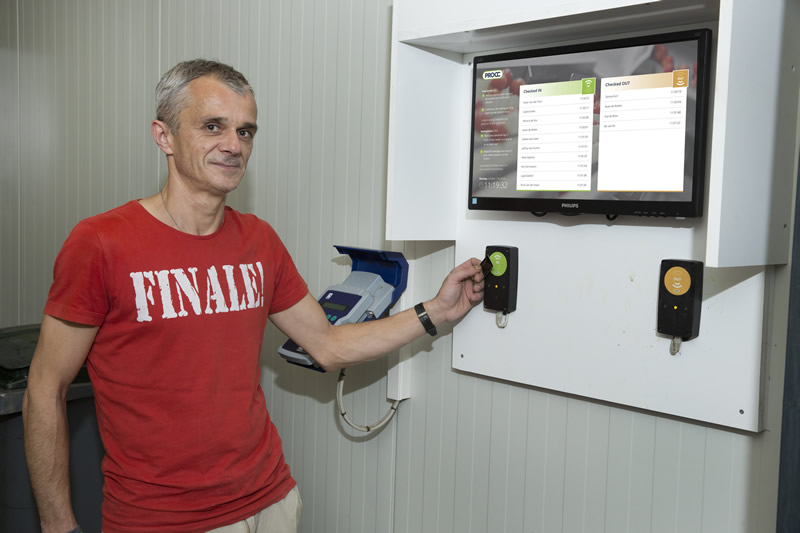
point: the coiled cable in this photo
(371, 427)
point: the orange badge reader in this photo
(680, 297)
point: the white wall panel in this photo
(733, 239)
(585, 323)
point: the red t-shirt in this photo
(175, 364)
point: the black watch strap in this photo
(422, 314)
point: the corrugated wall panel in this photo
(429, 262)
(597, 449)
(555, 461)
(10, 287)
(59, 94)
(718, 488)
(323, 74)
(665, 488)
(464, 453)
(29, 232)
(575, 468)
(689, 509)
(44, 124)
(76, 149)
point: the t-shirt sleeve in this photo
(288, 286)
(78, 292)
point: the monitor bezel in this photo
(681, 209)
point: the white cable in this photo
(372, 427)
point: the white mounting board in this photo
(585, 322)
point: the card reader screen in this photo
(335, 307)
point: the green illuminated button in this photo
(499, 263)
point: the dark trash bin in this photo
(17, 506)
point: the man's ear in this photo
(162, 136)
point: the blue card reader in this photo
(376, 282)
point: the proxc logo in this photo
(571, 206)
(492, 74)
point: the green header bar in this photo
(561, 88)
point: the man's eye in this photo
(245, 133)
(212, 127)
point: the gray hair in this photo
(171, 89)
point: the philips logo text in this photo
(571, 206)
(492, 74)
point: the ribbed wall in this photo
(9, 167)
(465, 454)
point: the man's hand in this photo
(461, 290)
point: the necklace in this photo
(164, 203)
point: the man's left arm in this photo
(334, 347)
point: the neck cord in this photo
(164, 203)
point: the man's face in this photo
(215, 137)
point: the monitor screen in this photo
(614, 127)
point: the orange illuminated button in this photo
(680, 78)
(677, 280)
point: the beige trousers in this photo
(281, 517)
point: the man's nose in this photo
(231, 143)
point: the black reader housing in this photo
(500, 285)
(680, 297)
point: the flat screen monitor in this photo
(615, 127)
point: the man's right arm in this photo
(62, 349)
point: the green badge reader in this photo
(377, 280)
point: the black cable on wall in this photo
(788, 519)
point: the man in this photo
(166, 300)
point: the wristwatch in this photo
(425, 319)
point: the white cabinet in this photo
(586, 315)
(752, 144)
(754, 140)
